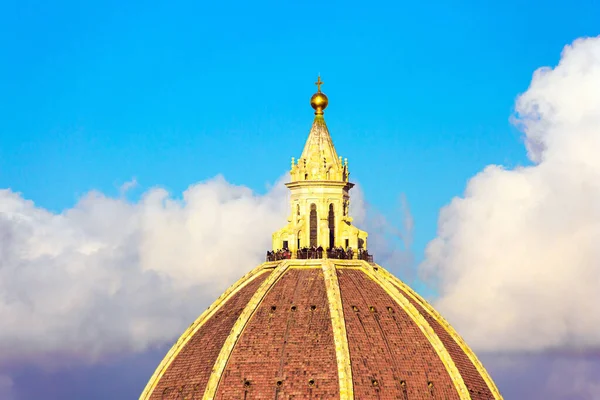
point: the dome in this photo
(320, 329)
(319, 319)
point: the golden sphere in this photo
(319, 102)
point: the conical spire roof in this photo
(319, 145)
(319, 160)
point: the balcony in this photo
(317, 253)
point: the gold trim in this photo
(197, 324)
(336, 311)
(415, 315)
(451, 331)
(238, 328)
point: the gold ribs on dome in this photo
(354, 296)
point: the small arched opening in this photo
(313, 225)
(331, 222)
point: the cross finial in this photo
(319, 82)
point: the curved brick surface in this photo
(281, 350)
(478, 389)
(188, 374)
(390, 357)
(287, 351)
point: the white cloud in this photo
(108, 275)
(517, 259)
(125, 187)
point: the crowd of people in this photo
(281, 254)
(314, 252)
(310, 252)
(340, 254)
(363, 254)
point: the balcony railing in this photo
(312, 253)
(279, 255)
(340, 254)
(365, 256)
(306, 253)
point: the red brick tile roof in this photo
(283, 343)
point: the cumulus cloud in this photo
(108, 275)
(111, 276)
(517, 258)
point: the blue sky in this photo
(93, 94)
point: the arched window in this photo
(331, 221)
(313, 225)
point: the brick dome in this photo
(319, 319)
(320, 329)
